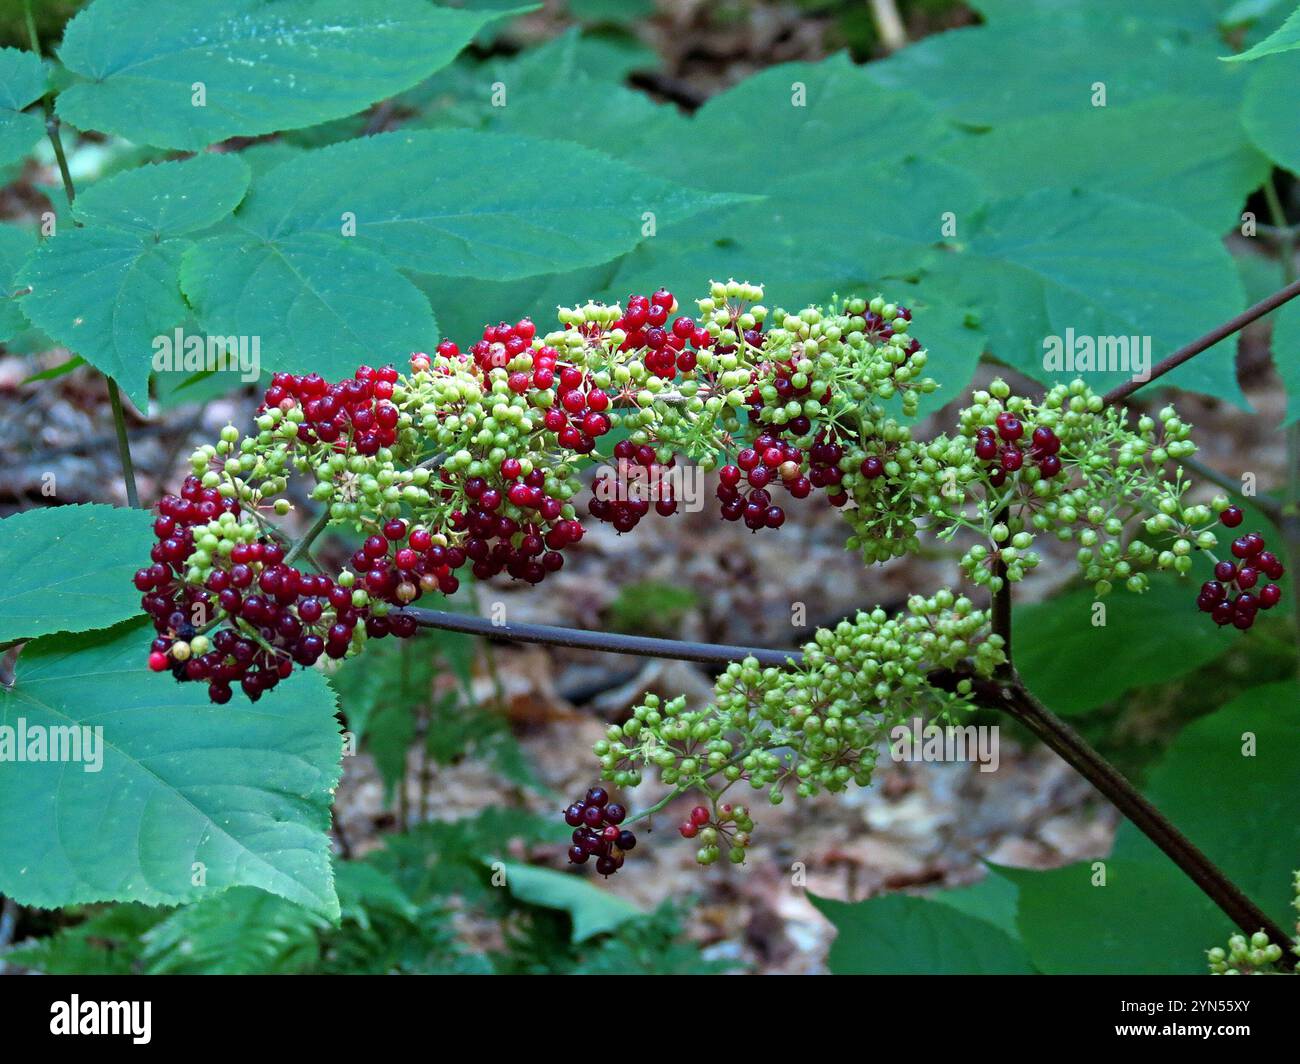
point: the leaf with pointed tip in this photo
(69, 568)
(900, 935)
(107, 294)
(1196, 160)
(184, 791)
(1067, 261)
(310, 300)
(166, 199)
(1286, 38)
(467, 204)
(593, 911)
(262, 67)
(22, 82)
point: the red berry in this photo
(688, 830)
(157, 661)
(1232, 516)
(699, 816)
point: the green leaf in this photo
(1286, 356)
(107, 294)
(55, 372)
(833, 112)
(263, 66)
(1147, 639)
(166, 199)
(1236, 804)
(1196, 160)
(593, 911)
(69, 568)
(22, 81)
(1147, 919)
(1285, 38)
(1068, 261)
(312, 301)
(186, 790)
(901, 935)
(468, 204)
(993, 899)
(986, 75)
(1273, 126)
(15, 246)
(1067, 15)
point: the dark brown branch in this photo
(1173, 361)
(1007, 695)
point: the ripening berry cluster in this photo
(726, 826)
(808, 728)
(597, 833)
(1242, 576)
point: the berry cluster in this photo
(646, 323)
(474, 460)
(596, 832)
(742, 487)
(355, 416)
(1253, 563)
(1008, 456)
(729, 825)
(622, 496)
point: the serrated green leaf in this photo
(1286, 38)
(107, 294)
(901, 935)
(1068, 261)
(1272, 125)
(986, 75)
(469, 204)
(1195, 159)
(22, 82)
(263, 66)
(593, 911)
(166, 199)
(1286, 356)
(190, 798)
(1231, 782)
(313, 301)
(1147, 639)
(68, 568)
(812, 115)
(15, 246)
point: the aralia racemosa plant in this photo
(472, 459)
